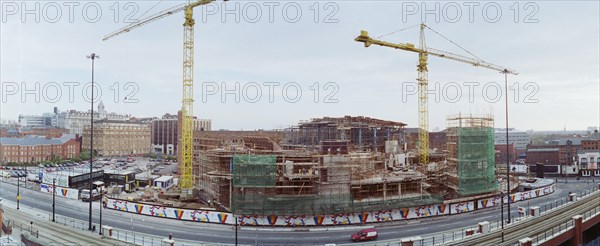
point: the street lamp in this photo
(18, 191)
(53, 198)
(507, 156)
(236, 230)
(93, 56)
(101, 207)
(502, 213)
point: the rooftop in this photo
(163, 179)
(543, 150)
(36, 140)
(352, 121)
(116, 171)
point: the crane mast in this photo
(422, 79)
(187, 107)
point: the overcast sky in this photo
(307, 66)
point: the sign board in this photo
(60, 191)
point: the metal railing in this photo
(563, 227)
(128, 236)
(23, 183)
(461, 233)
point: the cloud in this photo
(559, 53)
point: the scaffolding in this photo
(326, 166)
(254, 170)
(281, 184)
(296, 183)
(471, 154)
(362, 133)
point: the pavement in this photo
(215, 233)
(37, 226)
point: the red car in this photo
(365, 235)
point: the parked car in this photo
(365, 235)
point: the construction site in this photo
(331, 165)
(339, 165)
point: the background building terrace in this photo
(75, 121)
(39, 148)
(520, 139)
(44, 120)
(165, 132)
(118, 138)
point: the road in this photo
(530, 228)
(249, 235)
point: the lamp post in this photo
(18, 191)
(53, 198)
(93, 56)
(507, 156)
(236, 230)
(502, 213)
(101, 207)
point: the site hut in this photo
(123, 178)
(76, 179)
(164, 182)
(144, 179)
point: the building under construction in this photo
(339, 165)
(471, 162)
(362, 133)
(317, 168)
(288, 182)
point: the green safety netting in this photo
(254, 180)
(476, 161)
(254, 170)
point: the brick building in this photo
(118, 138)
(566, 151)
(16, 132)
(590, 144)
(500, 154)
(165, 133)
(437, 140)
(52, 132)
(39, 148)
(544, 156)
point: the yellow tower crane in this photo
(423, 148)
(187, 108)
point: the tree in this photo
(151, 155)
(56, 159)
(84, 155)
